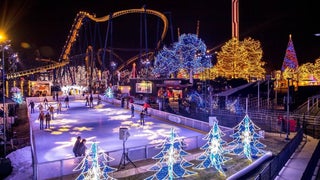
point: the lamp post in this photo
(288, 98)
(3, 46)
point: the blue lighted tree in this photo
(189, 53)
(171, 162)
(166, 63)
(192, 54)
(94, 165)
(245, 139)
(16, 95)
(214, 151)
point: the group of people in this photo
(79, 147)
(46, 112)
(89, 100)
(44, 117)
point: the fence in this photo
(274, 167)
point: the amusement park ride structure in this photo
(62, 69)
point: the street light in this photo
(4, 45)
(288, 98)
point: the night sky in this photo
(46, 24)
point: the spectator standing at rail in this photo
(76, 145)
(82, 148)
(31, 104)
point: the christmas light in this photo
(94, 165)
(171, 162)
(214, 151)
(246, 139)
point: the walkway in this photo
(295, 167)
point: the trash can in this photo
(292, 125)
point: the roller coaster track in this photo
(64, 57)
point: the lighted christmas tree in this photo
(245, 139)
(16, 95)
(94, 165)
(109, 93)
(214, 150)
(290, 58)
(171, 162)
(188, 54)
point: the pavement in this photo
(295, 167)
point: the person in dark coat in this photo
(87, 100)
(91, 101)
(31, 104)
(132, 110)
(48, 119)
(41, 119)
(66, 101)
(82, 148)
(142, 114)
(76, 146)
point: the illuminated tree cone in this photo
(171, 163)
(290, 58)
(94, 165)
(214, 151)
(245, 139)
(109, 93)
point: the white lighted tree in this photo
(245, 139)
(171, 162)
(94, 165)
(214, 150)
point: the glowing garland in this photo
(214, 151)
(94, 165)
(246, 139)
(171, 163)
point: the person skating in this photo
(41, 119)
(132, 110)
(66, 101)
(45, 102)
(48, 119)
(31, 104)
(142, 114)
(51, 110)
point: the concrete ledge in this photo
(255, 164)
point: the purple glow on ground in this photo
(100, 124)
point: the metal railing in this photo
(275, 166)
